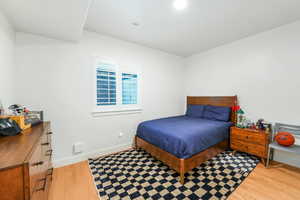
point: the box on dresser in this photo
(250, 141)
(25, 164)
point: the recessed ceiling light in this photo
(180, 4)
(135, 24)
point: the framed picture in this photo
(34, 117)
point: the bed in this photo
(184, 142)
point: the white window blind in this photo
(106, 84)
(129, 88)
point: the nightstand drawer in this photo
(257, 138)
(249, 136)
(239, 135)
(257, 150)
(239, 145)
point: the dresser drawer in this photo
(46, 157)
(49, 137)
(35, 169)
(41, 192)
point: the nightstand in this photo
(250, 141)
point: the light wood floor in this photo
(74, 182)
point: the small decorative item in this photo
(267, 126)
(260, 124)
(253, 125)
(35, 117)
(21, 121)
(248, 123)
(17, 109)
(240, 118)
(285, 139)
(235, 108)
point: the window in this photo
(129, 88)
(117, 89)
(106, 85)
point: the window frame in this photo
(119, 108)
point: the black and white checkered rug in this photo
(134, 174)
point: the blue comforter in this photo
(183, 136)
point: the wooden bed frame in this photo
(184, 165)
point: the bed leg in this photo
(182, 178)
(135, 144)
(182, 171)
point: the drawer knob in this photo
(38, 163)
(46, 143)
(49, 133)
(50, 172)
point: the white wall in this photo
(7, 56)
(263, 70)
(57, 77)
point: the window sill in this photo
(100, 113)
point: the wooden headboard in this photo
(227, 101)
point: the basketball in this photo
(285, 139)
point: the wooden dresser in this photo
(251, 141)
(25, 164)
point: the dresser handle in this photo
(38, 163)
(49, 152)
(44, 144)
(49, 133)
(44, 185)
(42, 179)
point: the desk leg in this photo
(268, 157)
(263, 161)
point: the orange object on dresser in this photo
(285, 139)
(20, 119)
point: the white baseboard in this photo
(92, 154)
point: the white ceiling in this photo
(62, 19)
(203, 25)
